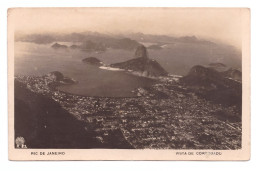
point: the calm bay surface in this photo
(176, 58)
(34, 59)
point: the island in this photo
(92, 61)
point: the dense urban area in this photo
(166, 115)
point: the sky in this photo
(222, 25)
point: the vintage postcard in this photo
(129, 83)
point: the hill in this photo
(213, 86)
(92, 61)
(43, 123)
(200, 76)
(233, 74)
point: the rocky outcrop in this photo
(141, 52)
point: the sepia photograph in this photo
(129, 83)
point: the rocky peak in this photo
(141, 52)
(142, 64)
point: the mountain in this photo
(141, 37)
(124, 43)
(141, 52)
(43, 123)
(208, 78)
(92, 46)
(200, 76)
(213, 86)
(142, 64)
(109, 39)
(92, 61)
(59, 46)
(90, 41)
(233, 74)
(36, 38)
(225, 71)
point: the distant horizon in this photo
(222, 24)
(21, 33)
